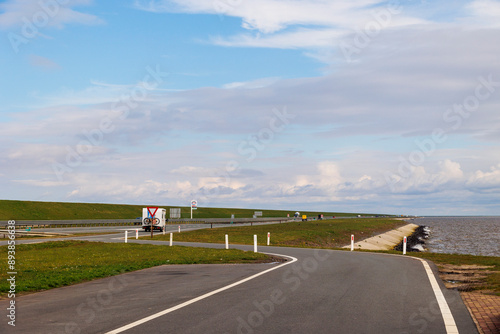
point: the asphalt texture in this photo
(324, 291)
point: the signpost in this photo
(152, 212)
(194, 206)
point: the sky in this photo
(340, 106)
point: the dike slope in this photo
(385, 241)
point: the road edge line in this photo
(194, 300)
(449, 320)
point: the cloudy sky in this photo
(352, 106)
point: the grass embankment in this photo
(329, 233)
(28, 210)
(55, 264)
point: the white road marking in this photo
(194, 300)
(449, 321)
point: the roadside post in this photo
(352, 242)
(136, 234)
(268, 238)
(126, 236)
(171, 238)
(255, 243)
(227, 241)
(179, 228)
(404, 246)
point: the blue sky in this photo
(368, 106)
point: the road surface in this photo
(316, 291)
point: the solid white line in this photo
(194, 300)
(449, 321)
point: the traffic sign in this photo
(152, 211)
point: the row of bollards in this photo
(226, 239)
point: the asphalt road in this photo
(316, 291)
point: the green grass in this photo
(51, 236)
(492, 281)
(28, 210)
(320, 233)
(60, 263)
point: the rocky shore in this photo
(416, 241)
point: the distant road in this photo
(137, 221)
(322, 291)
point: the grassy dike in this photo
(29, 210)
(55, 264)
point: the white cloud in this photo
(293, 24)
(485, 180)
(16, 13)
(485, 12)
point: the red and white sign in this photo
(152, 211)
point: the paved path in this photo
(322, 291)
(485, 310)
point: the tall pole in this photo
(152, 221)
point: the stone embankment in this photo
(416, 241)
(385, 241)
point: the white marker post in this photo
(126, 236)
(255, 243)
(268, 238)
(179, 228)
(404, 246)
(352, 242)
(227, 241)
(171, 238)
(164, 228)
(136, 234)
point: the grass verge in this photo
(330, 233)
(49, 236)
(491, 279)
(60, 263)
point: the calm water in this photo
(463, 235)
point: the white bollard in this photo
(126, 236)
(164, 228)
(136, 234)
(171, 238)
(404, 246)
(227, 241)
(255, 243)
(352, 242)
(179, 228)
(268, 238)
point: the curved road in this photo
(316, 291)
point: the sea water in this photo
(463, 235)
